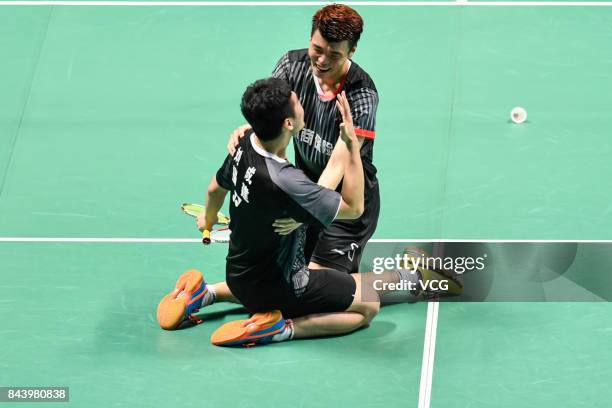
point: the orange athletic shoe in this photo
(185, 300)
(259, 329)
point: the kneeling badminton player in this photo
(266, 272)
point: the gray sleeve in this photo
(309, 202)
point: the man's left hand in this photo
(285, 226)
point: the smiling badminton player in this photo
(317, 75)
(265, 271)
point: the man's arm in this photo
(352, 203)
(334, 170)
(364, 103)
(352, 200)
(215, 196)
(330, 178)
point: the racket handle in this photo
(206, 237)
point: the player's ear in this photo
(288, 124)
(352, 51)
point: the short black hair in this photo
(265, 105)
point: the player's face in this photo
(328, 58)
(298, 113)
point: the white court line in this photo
(116, 240)
(457, 3)
(103, 240)
(429, 351)
(554, 241)
(429, 345)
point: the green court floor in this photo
(111, 117)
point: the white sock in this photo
(409, 276)
(286, 334)
(210, 296)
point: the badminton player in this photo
(265, 271)
(317, 75)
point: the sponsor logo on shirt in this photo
(312, 139)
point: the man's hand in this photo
(235, 137)
(347, 130)
(285, 226)
(206, 224)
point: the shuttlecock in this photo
(518, 115)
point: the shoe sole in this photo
(454, 286)
(240, 332)
(172, 308)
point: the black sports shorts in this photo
(340, 246)
(327, 291)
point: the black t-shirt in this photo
(264, 187)
(314, 143)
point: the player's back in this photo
(264, 187)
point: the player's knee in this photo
(360, 209)
(370, 310)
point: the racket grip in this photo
(206, 237)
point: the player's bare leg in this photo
(386, 296)
(364, 308)
(263, 328)
(223, 293)
(314, 265)
(371, 288)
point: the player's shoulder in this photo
(358, 79)
(287, 177)
(297, 55)
(281, 170)
(245, 149)
(275, 164)
(245, 142)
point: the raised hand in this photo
(347, 130)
